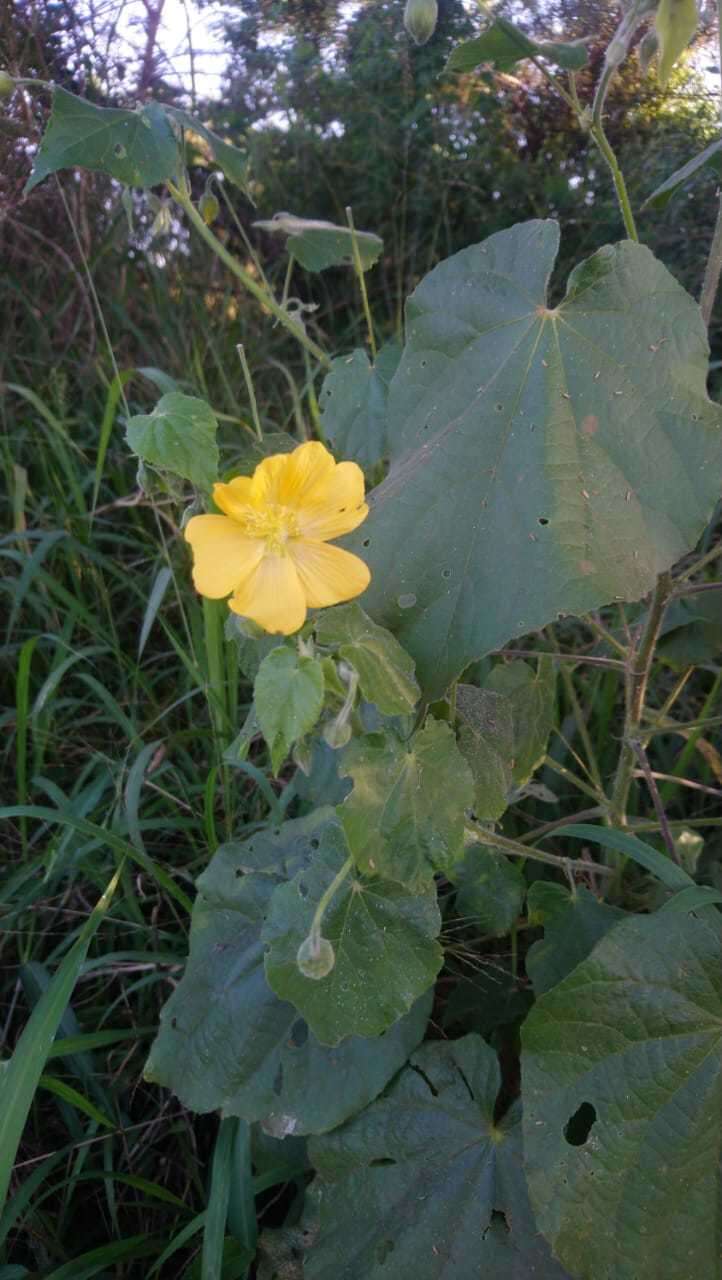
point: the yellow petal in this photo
(338, 507)
(266, 479)
(234, 497)
(307, 473)
(272, 596)
(328, 574)
(223, 555)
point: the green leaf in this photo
(384, 940)
(353, 403)
(404, 818)
(486, 741)
(230, 159)
(622, 1096)
(573, 924)
(489, 890)
(696, 636)
(502, 45)
(226, 1042)
(424, 1183)
(317, 244)
(138, 148)
(594, 415)
(663, 194)
(21, 1073)
(288, 694)
(385, 671)
(532, 702)
(178, 436)
(645, 855)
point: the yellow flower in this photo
(269, 550)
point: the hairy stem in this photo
(262, 295)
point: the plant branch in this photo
(648, 776)
(264, 296)
(494, 840)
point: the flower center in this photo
(274, 525)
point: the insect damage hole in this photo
(579, 1126)
(543, 520)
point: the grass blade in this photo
(643, 854)
(24, 1069)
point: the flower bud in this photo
(675, 24)
(315, 957)
(420, 18)
(208, 207)
(7, 85)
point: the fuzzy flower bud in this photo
(420, 18)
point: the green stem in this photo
(250, 389)
(640, 665)
(358, 267)
(493, 840)
(326, 896)
(264, 296)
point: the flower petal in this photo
(308, 471)
(234, 497)
(272, 596)
(328, 574)
(266, 479)
(223, 555)
(337, 507)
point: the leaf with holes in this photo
(318, 245)
(226, 1042)
(138, 148)
(531, 696)
(178, 436)
(353, 404)
(288, 694)
(230, 159)
(486, 741)
(622, 1070)
(384, 939)
(386, 673)
(502, 45)
(425, 1183)
(545, 461)
(404, 818)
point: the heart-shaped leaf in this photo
(178, 436)
(227, 1042)
(384, 940)
(288, 693)
(317, 244)
(353, 404)
(622, 1071)
(426, 1183)
(138, 148)
(404, 818)
(545, 460)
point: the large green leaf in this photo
(404, 818)
(544, 461)
(317, 244)
(138, 148)
(230, 159)
(502, 45)
(178, 436)
(425, 1183)
(288, 694)
(623, 1089)
(227, 1042)
(384, 940)
(353, 404)
(532, 704)
(385, 671)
